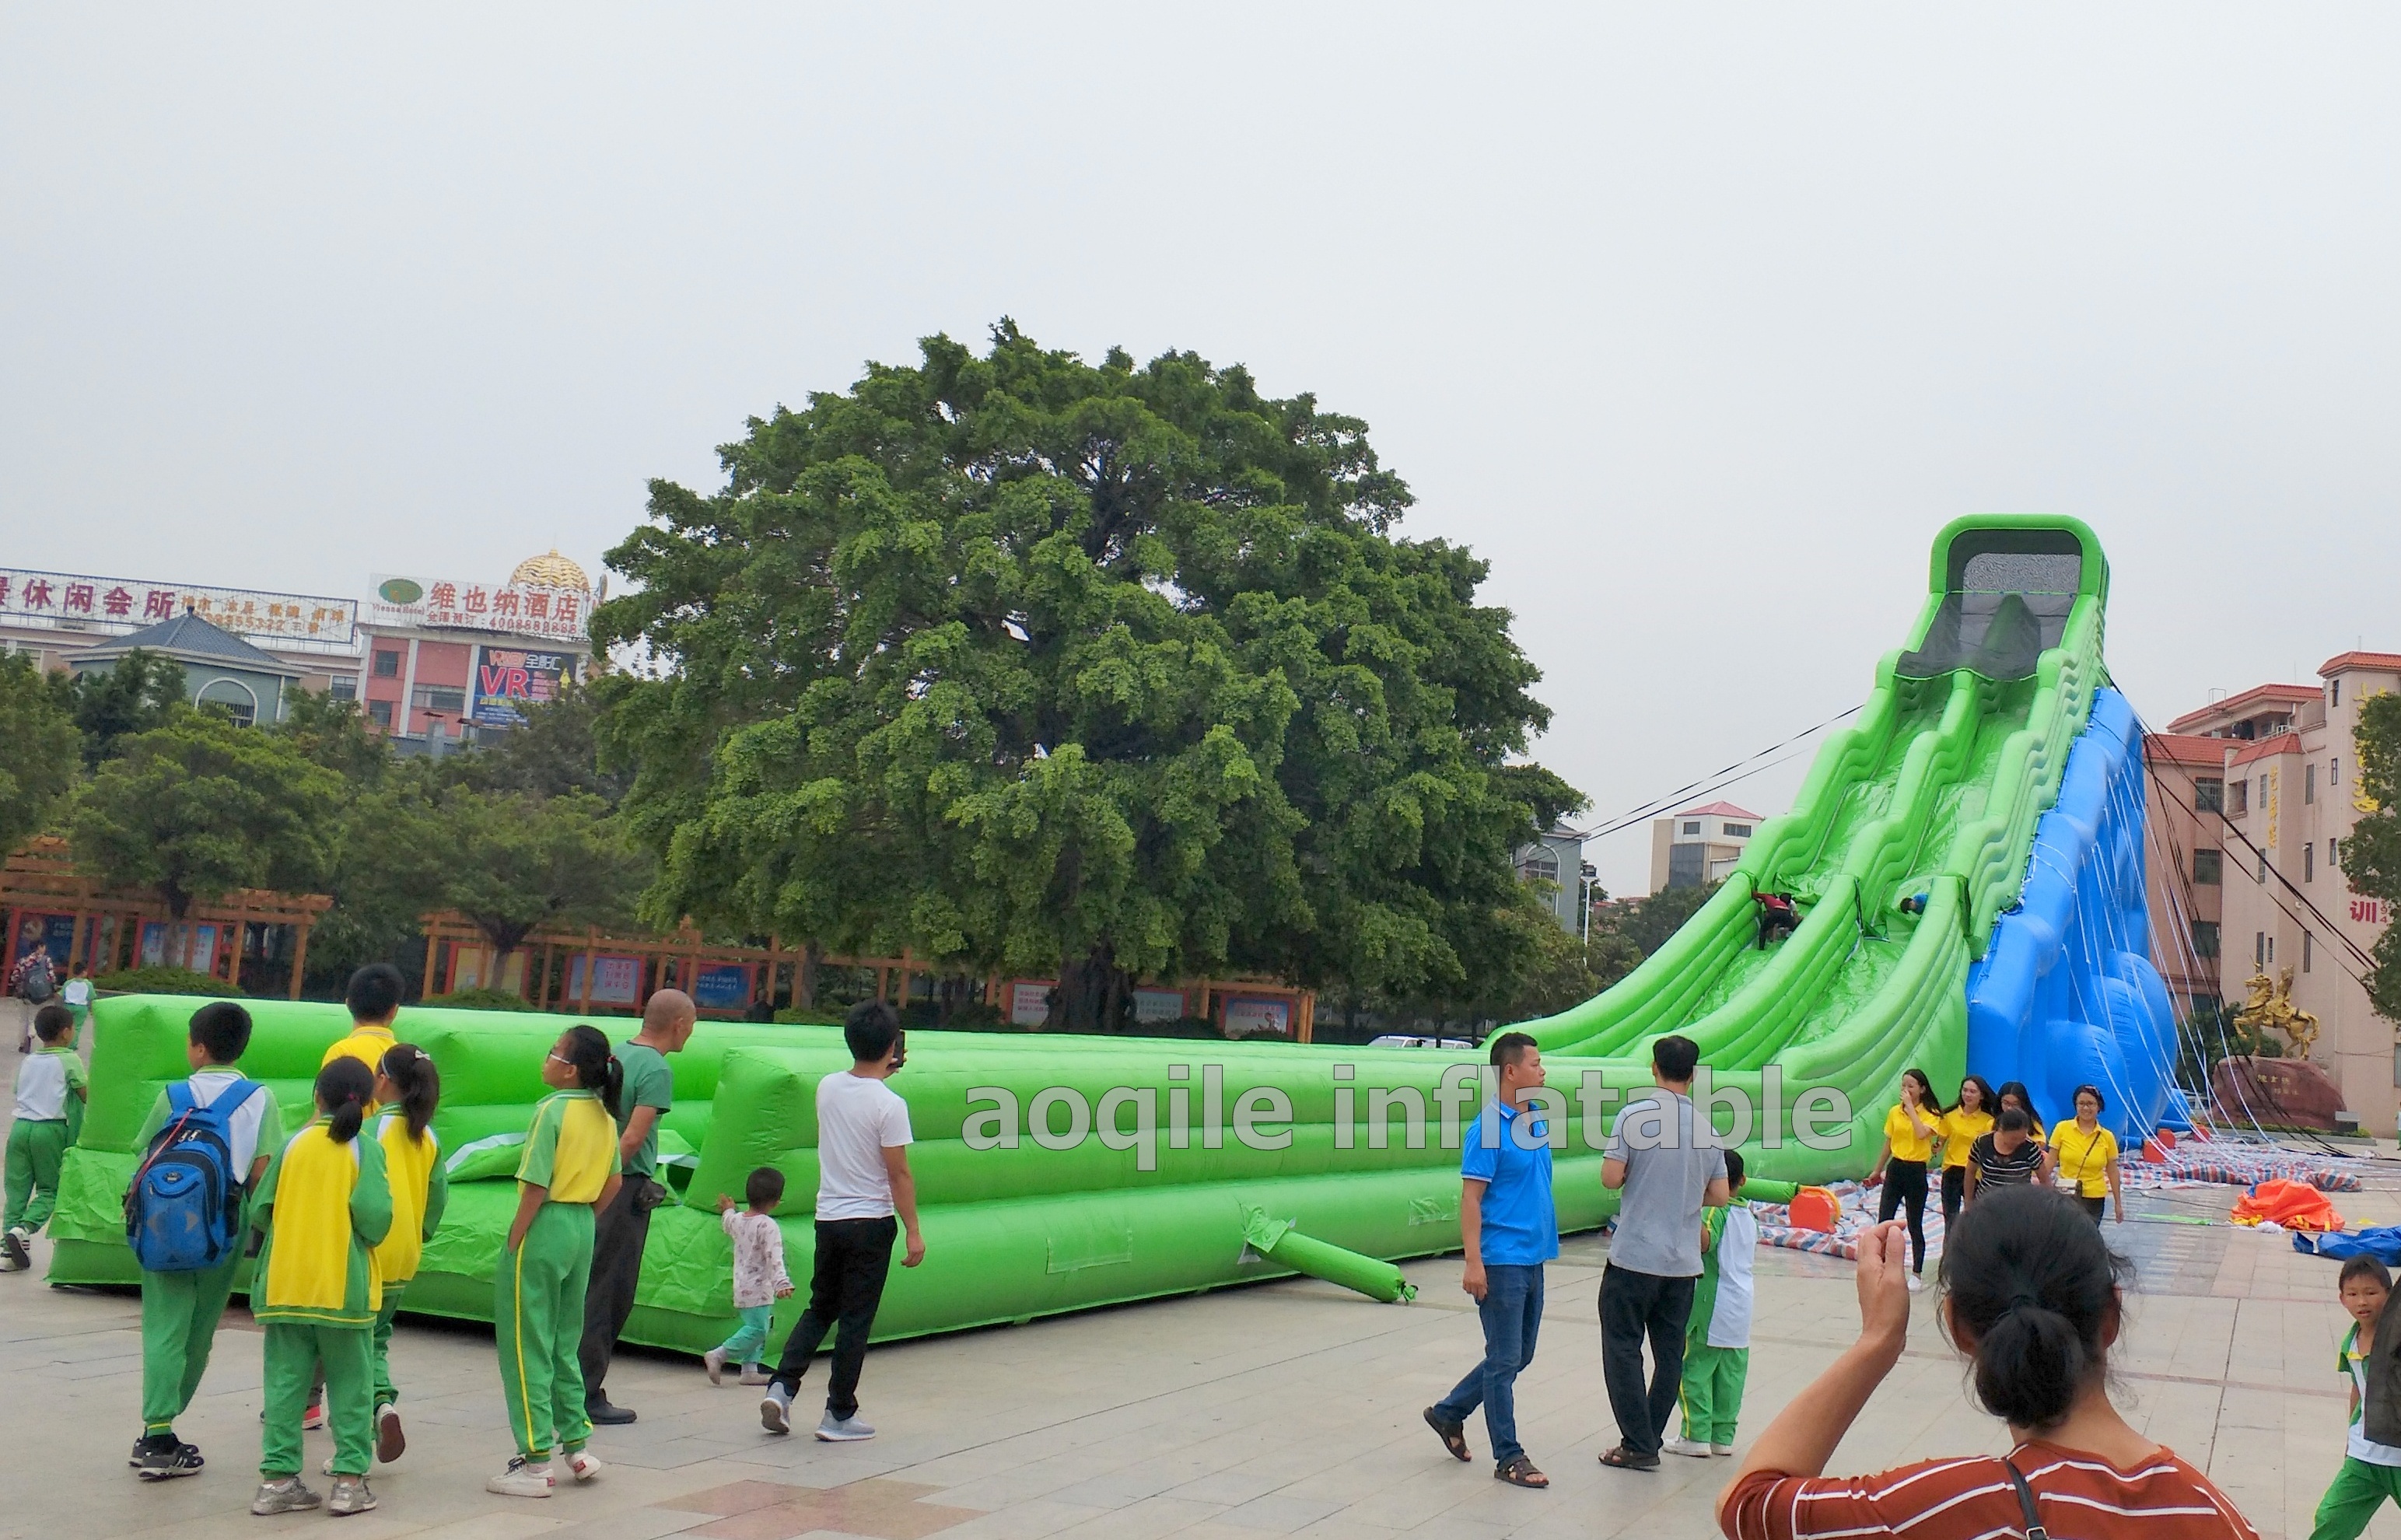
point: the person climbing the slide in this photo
(1910, 1131)
(1777, 916)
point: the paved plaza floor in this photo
(1278, 1408)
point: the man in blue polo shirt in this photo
(1510, 1229)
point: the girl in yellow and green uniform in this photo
(571, 1166)
(409, 1088)
(324, 1205)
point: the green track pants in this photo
(293, 1355)
(1711, 1394)
(2358, 1490)
(36, 1149)
(382, 1332)
(538, 1319)
(179, 1325)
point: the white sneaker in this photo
(14, 1243)
(756, 1375)
(714, 1361)
(1721, 1449)
(584, 1465)
(1690, 1447)
(775, 1409)
(1917, 1284)
(843, 1430)
(520, 1478)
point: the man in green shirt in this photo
(621, 1229)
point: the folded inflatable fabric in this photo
(2381, 1241)
(2240, 1170)
(2294, 1206)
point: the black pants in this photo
(1955, 1194)
(619, 1232)
(2093, 1206)
(1904, 1182)
(1635, 1306)
(846, 1288)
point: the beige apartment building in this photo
(2286, 797)
(1699, 845)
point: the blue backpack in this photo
(182, 1212)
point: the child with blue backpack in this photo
(206, 1143)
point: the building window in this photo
(1693, 826)
(434, 698)
(380, 713)
(2336, 688)
(2334, 855)
(2258, 949)
(387, 665)
(2263, 791)
(2334, 773)
(2209, 794)
(232, 697)
(1738, 831)
(2209, 867)
(2309, 783)
(2204, 939)
(2262, 878)
(2309, 861)
(343, 687)
(2241, 803)
(2309, 950)
(1540, 865)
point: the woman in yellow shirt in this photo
(570, 1168)
(1962, 1126)
(1910, 1131)
(2088, 1155)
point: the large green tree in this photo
(1036, 664)
(136, 695)
(38, 745)
(2372, 858)
(197, 806)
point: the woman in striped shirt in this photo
(2032, 1297)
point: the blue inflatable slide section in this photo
(2066, 995)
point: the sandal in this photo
(1521, 1472)
(1623, 1457)
(1453, 1437)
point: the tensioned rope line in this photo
(1702, 788)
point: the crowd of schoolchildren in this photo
(333, 1221)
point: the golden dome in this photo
(551, 571)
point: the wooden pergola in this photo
(40, 889)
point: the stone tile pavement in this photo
(1282, 1408)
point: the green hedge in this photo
(163, 981)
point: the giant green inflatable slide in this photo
(1908, 837)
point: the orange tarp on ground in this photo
(2295, 1205)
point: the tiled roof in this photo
(2359, 660)
(188, 638)
(2235, 708)
(1717, 810)
(2282, 742)
(2186, 749)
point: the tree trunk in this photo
(804, 980)
(1094, 994)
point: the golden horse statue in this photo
(2270, 1005)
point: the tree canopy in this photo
(2372, 857)
(197, 806)
(38, 745)
(1033, 664)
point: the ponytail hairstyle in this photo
(344, 1087)
(596, 1067)
(411, 1068)
(2032, 1295)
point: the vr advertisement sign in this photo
(510, 679)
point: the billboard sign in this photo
(504, 609)
(510, 679)
(722, 986)
(616, 979)
(1248, 1018)
(117, 606)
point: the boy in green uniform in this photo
(50, 1091)
(2371, 1472)
(1717, 1338)
(180, 1310)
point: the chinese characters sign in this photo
(509, 608)
(127, 604)
(508, 680)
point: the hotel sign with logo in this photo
(504, 609)
(120, 605)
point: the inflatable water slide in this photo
(1964, 860)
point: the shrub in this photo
(479, 999)
(162, 980)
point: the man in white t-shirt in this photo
(863, 1182)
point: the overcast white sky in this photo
(1697, 322)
